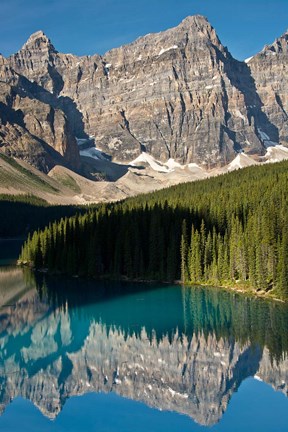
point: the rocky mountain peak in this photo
(35, 60)
(200, 19)
(38, 41)
(177, 94)
(279, 46)
(269, 71)
(199, 26)
(195, 22)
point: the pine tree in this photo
(183, 252)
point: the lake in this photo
(100, 356)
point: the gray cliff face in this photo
(185, 105)
(176, 94)
(32, 127)
(36, 58)
(269, 70)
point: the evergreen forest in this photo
(229, 230)
(21, 214)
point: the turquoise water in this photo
(78, 355)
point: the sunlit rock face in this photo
(269, 70)
(49, 354)
(33, 126)
(176, 94)
(36, 58)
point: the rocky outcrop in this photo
(32, 127)
(57, 73)
(35, 59)
(176, 94)
(269, 70)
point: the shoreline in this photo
(248, 292)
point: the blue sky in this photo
(95, 26)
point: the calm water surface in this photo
(78, 355)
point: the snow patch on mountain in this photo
(163, 50)
(172, 164)
(276, 153)
(148, 159)
(241, 161)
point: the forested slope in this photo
(21, 214)
(228, 230)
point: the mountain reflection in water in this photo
(179, 349)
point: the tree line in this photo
(21, 214)
(226, 230)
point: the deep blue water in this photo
(99, 356)
(256, 407)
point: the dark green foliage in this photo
(27, 199)
(21, 214)
(246, 319)
(227, 230)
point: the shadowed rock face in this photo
(50, 353)
(36, 59)
(176, 94)
(269, 69)
(32, 125)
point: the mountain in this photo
(177, 94)
(32, 126)
(269, 70)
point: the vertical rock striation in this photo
(175, 94)
(269, 70)
(32, 126)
